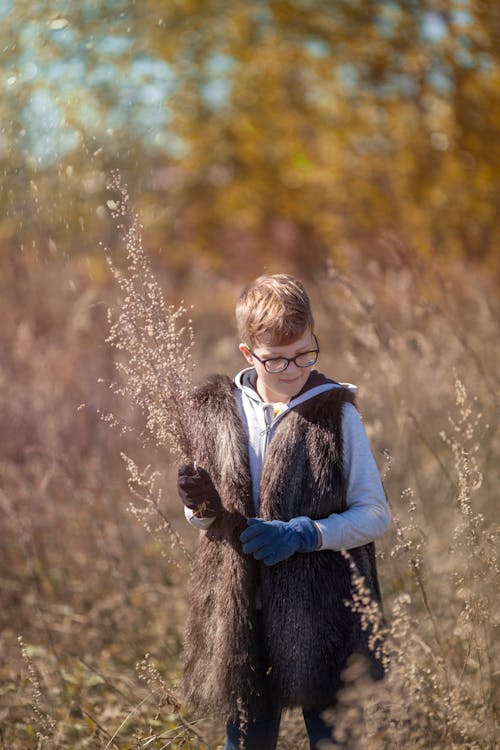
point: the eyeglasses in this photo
(279, 364)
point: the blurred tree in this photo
(259, 132)
(308, 125)
(80, 96)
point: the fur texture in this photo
(309, 632)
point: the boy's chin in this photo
(290, 387)
(279, 390)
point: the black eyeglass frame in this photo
(287, 359)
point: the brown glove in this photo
(197, 491)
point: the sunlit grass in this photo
(100, 602)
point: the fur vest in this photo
(308, 632)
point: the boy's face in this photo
(275, 387)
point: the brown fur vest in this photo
(308, 631)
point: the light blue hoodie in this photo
(367, 515)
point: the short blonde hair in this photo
(274, 304)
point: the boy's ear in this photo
(246, 352)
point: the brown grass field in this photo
(95, 580)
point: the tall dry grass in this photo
(99, 602)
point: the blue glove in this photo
(274, 541)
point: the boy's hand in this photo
(274, 541)
(197, 491)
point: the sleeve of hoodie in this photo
(367, 515)
(200, 523)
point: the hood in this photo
(316, 383)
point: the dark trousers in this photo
(262, 733)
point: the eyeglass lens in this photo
(301, 360)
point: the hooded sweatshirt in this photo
(367, 515)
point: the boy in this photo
(284, 480)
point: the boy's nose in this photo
(292, 367)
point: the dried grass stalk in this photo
(154, 338)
